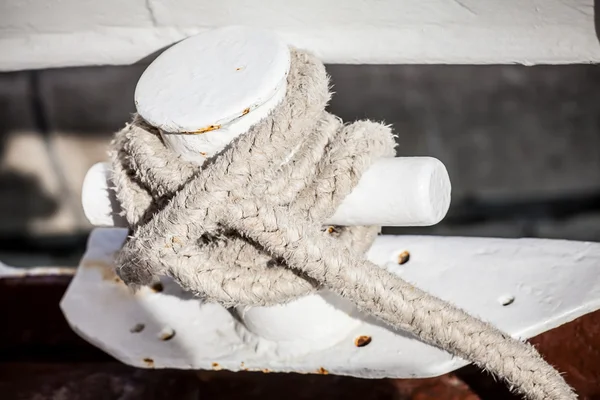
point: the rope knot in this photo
(300, 161)
(246, 228)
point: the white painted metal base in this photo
(210, 88)
(524, 286)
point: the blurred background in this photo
(521, 145)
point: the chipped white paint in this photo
(57, 33)
(548, 279)
(199, 147)
(401, 191)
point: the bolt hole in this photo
(166, 334)
(137, 328)
(506, 299)
(403, 257)
(157, 287)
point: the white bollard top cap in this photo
(207, 81)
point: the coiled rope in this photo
(245, 228)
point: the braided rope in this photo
(245, 228)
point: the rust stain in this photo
(149, 362)
(106, 270)
(246, 111)
(322, 371)
(239, 68)
(205, 129)
(243, 366)
(216, 366)
(174, 240)
(266, 371)
(362, 341)
(403, 257)
(331, 230)
(203, 153)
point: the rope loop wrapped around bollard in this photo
(246, 228)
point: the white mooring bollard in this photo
(202, 95)
(207, 90)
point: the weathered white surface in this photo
(198, 148)
(215, 85)
(210, 79)
(401, 191)
(549, 282)
(53, 33)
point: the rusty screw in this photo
(362, 341)
(403, 257)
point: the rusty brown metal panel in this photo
(36, 329)
(37, 345)
(574, 349)
(111, 380)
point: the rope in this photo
(245, 228)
